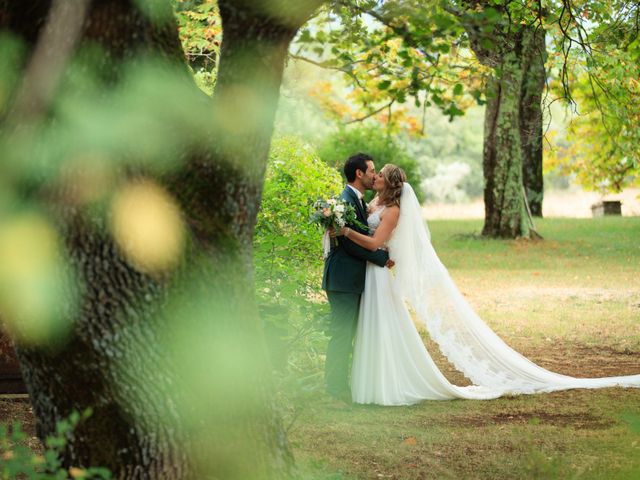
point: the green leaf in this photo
(487, 43)
(453, 111)
(305, 36)
(443, 21)
(492, 15)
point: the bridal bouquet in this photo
(334, 214)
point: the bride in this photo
(391, 365)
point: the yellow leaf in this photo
(410, 441)
(76, 472)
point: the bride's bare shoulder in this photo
(392, 211)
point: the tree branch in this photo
(328, 66)
(371, 114)
(401, 30)
(59, 36)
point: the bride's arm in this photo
(388, 222)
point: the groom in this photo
(343, 280)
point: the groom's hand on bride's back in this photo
(390, 263)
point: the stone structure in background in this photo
(606, 207)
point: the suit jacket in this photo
(345, 266)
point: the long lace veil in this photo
(469, 344)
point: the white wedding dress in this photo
(391, 365)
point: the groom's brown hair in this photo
(356, 162)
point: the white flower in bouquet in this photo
(335, 213)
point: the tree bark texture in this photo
(534, 58)
(502, 155)
(512, 158)
(137, 428)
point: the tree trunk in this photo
(535, 55)
(502, 156)
(150, 418)
(512, 157)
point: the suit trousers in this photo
(344, 320)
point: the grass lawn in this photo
(570, 303)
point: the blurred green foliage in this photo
(374, 140)
(149, 119)
(79, 153)
(20, 462)
(11, 53)
(37, 295)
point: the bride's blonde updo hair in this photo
(394, 177)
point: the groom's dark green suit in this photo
(343, 280)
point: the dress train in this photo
(391, 365)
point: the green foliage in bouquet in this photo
(335, 213)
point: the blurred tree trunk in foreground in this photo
(171, 362)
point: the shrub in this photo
(288, 253)
(18, 462)
(287, 246)
(374, 140)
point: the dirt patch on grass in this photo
(531, 297)
(580, 421)
(574, 359)
(585, 361)
(19, 410)
(542, 294)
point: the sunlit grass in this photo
(581, 284)
(572, 304)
